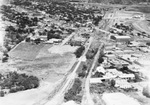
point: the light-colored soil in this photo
(28, 97)
(62, 49)
(48, 68)
(140, 98)
(142, 26)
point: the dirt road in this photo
(87, 100)
(58, 97)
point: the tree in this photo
(2, 93)
(146, 91)
(79, 51)
(113, 82)
(100, 60)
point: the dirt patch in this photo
(62, 49)
(50, 68)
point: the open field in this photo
(145, 9)
(26, 51)
(37, 60)
(49, 68)
(140, 98)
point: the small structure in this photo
(101, 69)
(122, 84)
(95, 80)
(127, 76)
(121, 38)
(53, 40)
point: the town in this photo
(74, 52)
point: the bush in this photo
(82, 74)
(91, 53)
(74, 91)
(113, 82)
(79, 51)
(100, 60)
(146, 91)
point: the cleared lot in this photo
(39, 61)
(26, 51)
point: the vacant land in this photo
(49, 68)
(26, 51)
(144, 9)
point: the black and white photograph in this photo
(74, 52)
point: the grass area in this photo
(26, 51)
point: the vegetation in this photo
(51, 34)
(18, 82)
(124, 27)
(100, 60)
(83, 72)
(91, 53)
(73, 93)
(79, 51)
(146, 91)
(109, 87)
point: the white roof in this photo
(127, 76)
(118, 99)
(53, 39)
(95, 80)
(121, 37)
(100, 69)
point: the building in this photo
(121, 38)
(95, 80)
(53, 40)
(101, 69)
(127, 76)
(122, 84)
(118, 62)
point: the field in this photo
(26, 51)
(38, 61)
(143, 9)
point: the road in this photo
(67, 39)
(58, 97)
(87, 99)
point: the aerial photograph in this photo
(74, 52)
